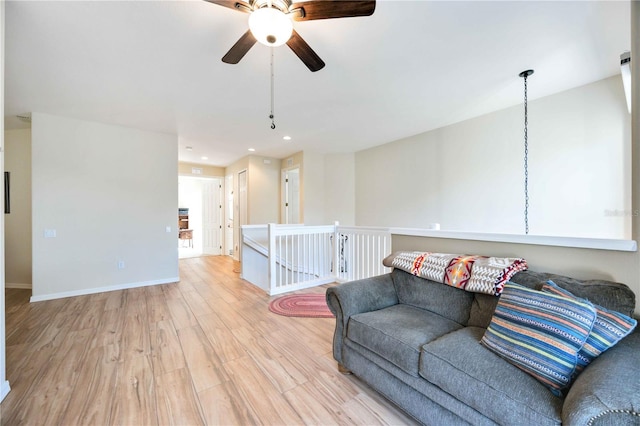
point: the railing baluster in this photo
(305, 270)
(315, 255)
(352, 256)
(307, 257)
(322, 259)
(352, 264)
(377, 254)
(325, 260)
(299, 256)
(360, 255)
(279, 262)
(310, 273)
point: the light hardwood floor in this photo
(205, 350)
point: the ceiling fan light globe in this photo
(270, 26)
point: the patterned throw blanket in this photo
(479, 274)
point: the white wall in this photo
(632, 267)
(313, 188)
(469, 176)
(340, 189)
(4, 384)
(263, 190)
(580, 263)
(186, 169)
(327, 187)
(17, 240)
(109, 192)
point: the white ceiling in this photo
(411, 67)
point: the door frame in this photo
(222, 201)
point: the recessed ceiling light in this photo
(251, 149)
(205, 158)
(286, 138)
(188, 148)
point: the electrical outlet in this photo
(167, 229)
(120, 264)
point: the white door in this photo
(243, 216)
(228, 227)
(291, 196)
(211, 217)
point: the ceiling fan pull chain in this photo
(271, 116)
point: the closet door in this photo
(212, 217)
(243, 217)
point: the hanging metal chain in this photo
(271, 115)
(526, 74)
(526, 161)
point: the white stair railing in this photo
(361, 251)
(283, 258)
(299, 257)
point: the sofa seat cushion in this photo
(458, 364)
(398, 332)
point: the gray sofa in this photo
(417, 343)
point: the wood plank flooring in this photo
(202, 351)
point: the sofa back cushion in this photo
(613, 296)
(450, 302)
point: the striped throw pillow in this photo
(540, 333)
(608, 329)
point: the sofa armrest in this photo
(355, 297)
(607, 392)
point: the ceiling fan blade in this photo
(324, 9)
(239, 49)
(305, 52)
(233, 4)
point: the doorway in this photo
(200, 216)
(290, 196)
(228, 230)
(242, 213)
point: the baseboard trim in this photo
(21, 286)
(84, 292)
(4, 389)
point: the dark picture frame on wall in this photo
(7, 193)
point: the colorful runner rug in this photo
(301, 305)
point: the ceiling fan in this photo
(270, 23)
